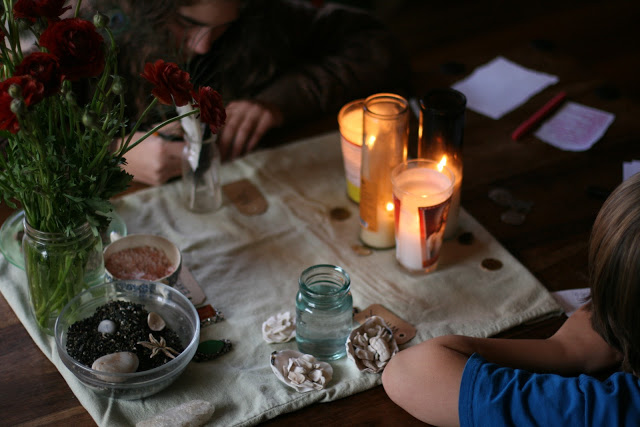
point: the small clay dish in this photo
(143, 257)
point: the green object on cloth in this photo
(248, 267)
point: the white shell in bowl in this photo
(300, 371)
(371, 345)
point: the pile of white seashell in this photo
(279, 328)
(300, 371)
(371, 345)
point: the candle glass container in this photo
(422, 193)
(385, 141)
(324, 311)
(350, 122)
(440, 136)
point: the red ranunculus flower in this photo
(77, 45)
(43, 67)
(32, 92)
(171, 83)
(212, 110)
(34, 9)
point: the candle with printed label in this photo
(422, 191)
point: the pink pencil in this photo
(538, 116)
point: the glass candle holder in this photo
(422, 192)
(440, 136)
(385, 141)
(324, 311)
(350, 122)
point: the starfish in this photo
(158, 346)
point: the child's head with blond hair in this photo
(614, 268)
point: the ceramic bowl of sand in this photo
(143, 257)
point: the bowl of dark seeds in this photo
(127, 339)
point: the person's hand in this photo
(155, 160)
(247, 122)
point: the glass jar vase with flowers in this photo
(61, 107)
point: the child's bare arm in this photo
(425, 379)
(574, 349)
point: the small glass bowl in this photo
(177, 311)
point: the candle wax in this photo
(351, 142)
(422, 199)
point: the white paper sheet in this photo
(575, 127)
(498, 87)
(571, 299)
(630, 168)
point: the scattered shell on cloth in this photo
(300, 371)
(279, 328)
(371, 345)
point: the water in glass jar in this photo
(323, 332)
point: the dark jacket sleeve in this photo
(341, 54)
(307, 61)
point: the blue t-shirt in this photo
(494, 395)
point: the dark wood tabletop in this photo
(590, 45)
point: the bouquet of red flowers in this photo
(61, 106)
(57, 163)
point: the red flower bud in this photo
(212, 110)
(172, 85)
(34, 9)
(32, 93)
(77, 45)
(43, 67)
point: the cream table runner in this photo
(248, 267)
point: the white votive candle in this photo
(350, 120)
(422, 196)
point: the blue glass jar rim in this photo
(327, 272)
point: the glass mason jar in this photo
(59, 266)
(384, 145)
(201, 176)
(324, 311)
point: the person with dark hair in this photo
(458, 380)
(275, 63)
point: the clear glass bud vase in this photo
(59, 266)
(201, 176)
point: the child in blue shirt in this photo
(458, 380)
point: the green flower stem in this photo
(77, 11)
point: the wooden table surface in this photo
(589, 45)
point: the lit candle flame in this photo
(389, 206)
(442, 163)
(371, 141)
